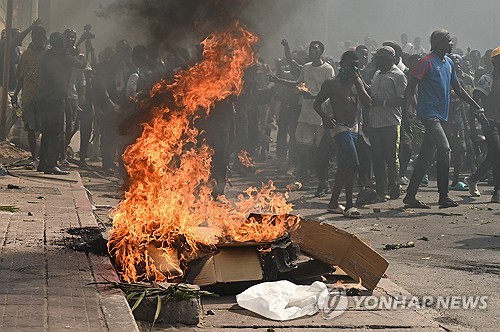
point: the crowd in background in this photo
(364, 108)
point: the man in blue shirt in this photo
(435, 76)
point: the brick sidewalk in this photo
(43, 283)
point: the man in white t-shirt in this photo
(309, 128)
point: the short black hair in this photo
(349, 55)
(320, 45)
(360, 47)
(56, 40)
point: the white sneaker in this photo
(473, 191)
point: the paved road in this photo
(459, 258)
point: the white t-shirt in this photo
(313, 77)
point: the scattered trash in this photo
(3, 171)
(13, 186)
(40, 197)
(30, 214)
(424, 238)
(408, 244)
(210, 313)
(376, 210)
(283, 300)
(426, 258)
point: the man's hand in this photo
(36, 22)
(328, 121)
(485, 124)
(354, 77)
(14, 100)
(284, 43)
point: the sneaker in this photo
(404, 180)
(425, 181)
(496, 197)
(473, 191)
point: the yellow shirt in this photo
(29, 69)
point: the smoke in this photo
(174, 20)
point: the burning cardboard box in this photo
(322, 242)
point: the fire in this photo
(245, 158)
(168, 210)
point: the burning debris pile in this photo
(168, 210)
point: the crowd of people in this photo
(362, 118)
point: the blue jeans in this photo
(434, 139)
(347, 153)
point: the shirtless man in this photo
(345, 92)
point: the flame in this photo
(245, 158)
(167, 210)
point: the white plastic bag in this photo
(283, 300)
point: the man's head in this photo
(404, 39)
(458, 62)
(495, 58)
(475, 58)
(362, 53)
(39, 36)
(139, 55)
(123, 49)
(70, 37)
(413, 61)
(316, 49)
(385, 58)
(56, 40)
(441, 41)
(487, 60)
(349, 63)
(396, 48)
(417, 41)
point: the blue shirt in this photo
(436, 77)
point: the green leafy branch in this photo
(137, 292)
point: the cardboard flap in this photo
(334, 246)
(231, 265)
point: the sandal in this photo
(352, 213)
(459, 186)
(338, 210)
(415, 203)
(447, 202)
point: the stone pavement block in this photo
(43, 284)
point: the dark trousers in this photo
(109, 139)
(86, 118)
(405, 151)
(324, 153)
(434, 139)
(384, 144)
(287, 123)
(52, 131)
(492, 157)
(365, 164)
